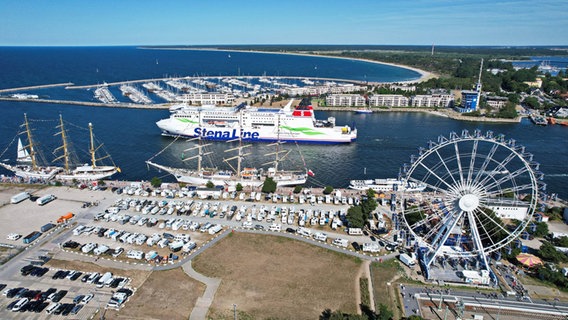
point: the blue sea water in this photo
(560, 63)
(24, 66)
(385, 142)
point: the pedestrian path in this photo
(203, 303)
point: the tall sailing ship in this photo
(28, 166)
(246, 177)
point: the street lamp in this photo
(235, 311)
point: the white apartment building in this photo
(214, 98)
(388, 100)
(432, 100)
(496, 102)
(345, 100)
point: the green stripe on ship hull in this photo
(306, 131)
(187, 121)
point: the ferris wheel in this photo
(480, 193)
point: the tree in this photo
(541, 229)
(239, 187)
(355, 217)
(384, 313)
(369, 204)
(328, 190)
(210, 184)
(561, 241)
(297, 189)
(514, 252)
(269, 185)
(414, 215)
(548, 252)
(508, 111)
(532, 102)
(156, 182)
(327, 314)
(101, 183)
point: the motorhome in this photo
(275, 227)
(355, 231)
(407, 260)
(20, 197)
(341, 242)
(45, 199)
(189, 246)
(320, 236)
(304, 232)
(100, 250)
(176, 246)
(371, 247)
(214, 229)
(103, 280)
(88, 247)
(134, 254)
(163, 243)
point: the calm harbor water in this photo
(386, 140)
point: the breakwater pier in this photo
(43, 86)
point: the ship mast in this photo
(30, 141)
(240, 155)
(65, 148)
(200, 153)
(92, 149)
(276, 153)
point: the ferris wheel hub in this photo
(469, 202)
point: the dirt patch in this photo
(165, 294)
(541, 290)
(276, 277)
(383, 277)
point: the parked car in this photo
(87, 298)
(356, 246)
(76, 309)
(59, 295)
(78, 298)
(76, 275)
(291, 230)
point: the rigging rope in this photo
(9, 145)
(164, 149)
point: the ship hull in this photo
(46, 173)
(196, 179)
(174, 128)
(384, 185)
(255, 124)
(87, 173)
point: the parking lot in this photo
(178, 218)
(100, 295)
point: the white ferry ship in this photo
(255, 124)
(386, 185)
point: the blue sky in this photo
(412, 22)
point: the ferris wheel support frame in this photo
(468, 193)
